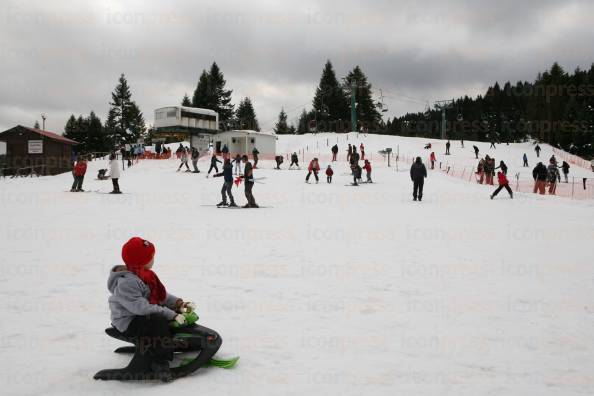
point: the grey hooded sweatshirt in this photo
(130, 298)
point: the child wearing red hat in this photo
(141, 307)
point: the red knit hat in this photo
(137, 252)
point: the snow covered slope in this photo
(333, 290)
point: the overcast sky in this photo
(63, 57)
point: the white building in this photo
(244, 141)
(180, 123)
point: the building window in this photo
(171, 113)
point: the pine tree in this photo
(71, 129)
(36, 125)
(203, 97)
(281, 127)
(330, 103)
(186, 101)
(245, 116)
(367, 114)
(303, 122)
(125, 123)
(222, 96)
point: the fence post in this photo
(572, 185)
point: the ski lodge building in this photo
(200, 127)
(33, 151)
(180, 123)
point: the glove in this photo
(179, 320)
(187, 307)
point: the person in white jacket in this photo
(114, 173)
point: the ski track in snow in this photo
(332, 290)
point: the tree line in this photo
(557, 108)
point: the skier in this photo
(158, 149)
(179, 151)
(195, 156)
(428, 146)
(432, 159)
(141, 308)
(227, 173)
(503, 183)
(462, 142)
(489, 170)
(314, 167)
(248, 177)
(525, 158)
(237, 164)
(213, 164)
(362, 151)
(480, 171)
(537, 149)
(539, 173)
(503, 167)
(418, 173)
(492, 144)
(565, 168)
(329, 173)
(255, 153)
(225, 152)
(553, 160)
(79, 174)
(476, 151)
(447, 148)
(367, 167)
(184, 160)
(279, 160)
(349, 152)
(334, 152)
(553, 176)
(114, 173)
(294, 160)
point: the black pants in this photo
(418, 188)
(502, 186)
(116, 185)
(182, 164)
(315, 172)
(447, 151)
(294, 162)
(195, 165)
(226, 190)
(525, 163)
(255, 160)
(78, 182)
(154, 337)
(248, 192)
(476, 154)
(329, 179)
(213, 166)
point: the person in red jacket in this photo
(80, 168)
(432, 159)
(329, 173)
(503, 183)
(314, 167)
(367, 168)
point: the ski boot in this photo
(232, 205)
(221, 204)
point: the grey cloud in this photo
(64, 57)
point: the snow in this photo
(333, 290)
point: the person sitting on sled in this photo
(141, 307)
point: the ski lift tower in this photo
(444, 105)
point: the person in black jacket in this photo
(503, 167)
(195, 156)
(447, 148)
(213, 164)
(255, 153)
(476, 151)
(248, 178)
(334, 152)
(418, 173)
(227, 173)
(540, 173)
(294, 160)
(565, 169)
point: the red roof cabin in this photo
(33, 151)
